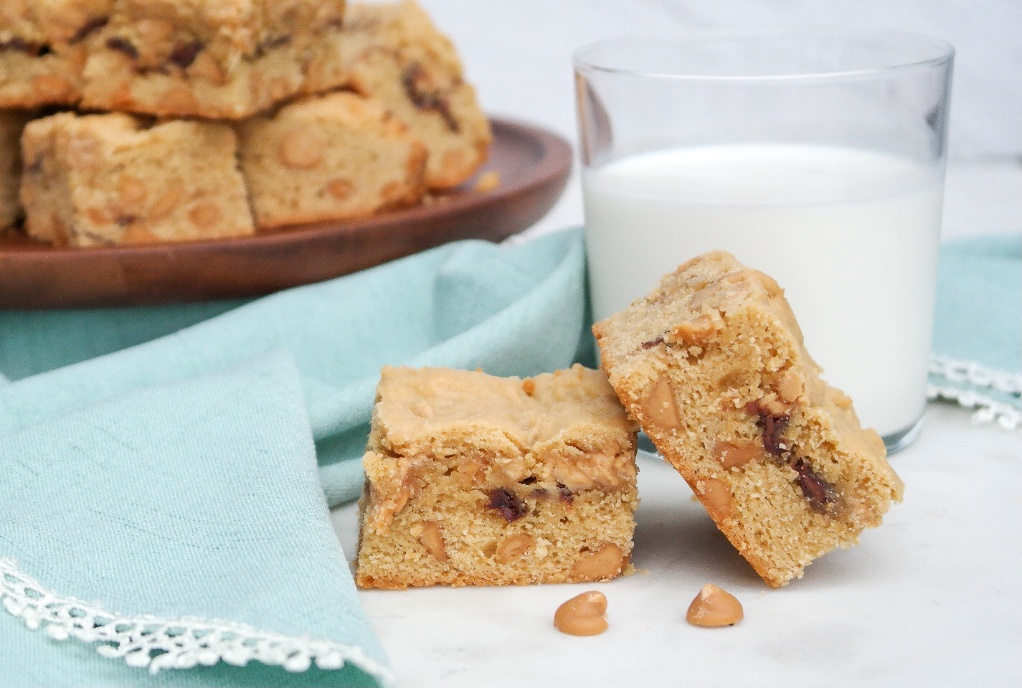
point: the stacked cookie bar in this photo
(478, 480)
(133, 121)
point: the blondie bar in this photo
(478, 480)
(394, 53)
(712, 365)
(43, 48)
(330, 157)
(209, 58)
(98, 180)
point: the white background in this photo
(518, 52)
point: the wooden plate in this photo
(533, 165)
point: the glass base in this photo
(897, 441)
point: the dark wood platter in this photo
(533, 165)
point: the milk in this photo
(850, 235)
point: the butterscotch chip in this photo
(514, 547)
(204, 215)
(733, 455)
(301, 149)
(605, 563)
(790, 386)
(177, 99)
(714, 607)
(167, 201)
(712, 365)
(206, 68)
(340, 188)
(131, 190)
(433, 540)
(53, 89)
(696, 330)
(582, 615)
(660, 405)
(472, 461)
(97, 215)
(716, 496)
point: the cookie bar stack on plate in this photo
(139, 121)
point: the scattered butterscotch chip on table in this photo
(714, 607)
(473, 479)
(712, 365)
(582, 614)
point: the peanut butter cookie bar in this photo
(209, 58)
(98, 180)
(393, 52)
(330, 157)
(43, 48)
(712, 365)
(478, 480)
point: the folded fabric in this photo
(191, 512)
(160, 504)
(509, 310)
(977, 338)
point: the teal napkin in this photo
(977, 338)
(508, 310)
(181, 508)
(167, 472)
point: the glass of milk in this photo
(815, 156)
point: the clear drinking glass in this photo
(815, 156)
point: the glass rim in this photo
(935, 51)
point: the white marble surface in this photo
(931, 598)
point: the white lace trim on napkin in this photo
(968, 381)
(170, 643)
